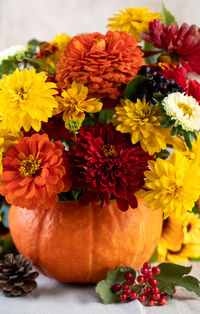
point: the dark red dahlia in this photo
(106, 164)
(193, 89)
(184, 41)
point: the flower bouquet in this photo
(99, 144)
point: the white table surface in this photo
(52, 297)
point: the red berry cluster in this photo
(144, 288)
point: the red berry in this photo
(127, 291)
(124, 286)
(133, 296)
(147, 290)
(149, 274)
(144, 271)
(162, 301)
(147, 265)
(128, 275)
(116, 287)
(130, 282)
(156, 296)
(156, 270)
(150, 302)
(140, 279)
(142, 297)
(155, 290)
(153, 282)
(163, 296)
(145, 279)
(123, 297)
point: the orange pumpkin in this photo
(72, 243)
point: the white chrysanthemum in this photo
(12, 51)
(184, 110)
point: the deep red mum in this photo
(34, 173)
(179, 75)
(106, 163)
(183, 41)
(104, 63)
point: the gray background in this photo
(21, 20)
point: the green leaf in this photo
(153, 258)
(168, 18)
(149, 47)
(135, 87)
(158, 97)
(195, 209)
(104, 287)
(105, 116)
(166, 123)
(8, 66)
(187, 140)
(164, 154)
(190, 283)
(169, 276)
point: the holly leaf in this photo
(168, 18)
(104, 287)
(135, 87)
(170, 275)
(190, 283)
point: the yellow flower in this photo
(172, 246)
(74, 103)
(141, 120)
(60, 42)
(173, 184)
(184, 110)
(7, 138)
(133, 20)
(193, 154)
(191, 228)
(26, 100)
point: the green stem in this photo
(33, 60)
(75, 137)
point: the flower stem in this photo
(33, 60)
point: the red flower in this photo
(194, 89)
(34, 173)
(106, 163)
(183, 41)
(176, 74)
(104, 63)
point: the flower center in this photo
(189, 227)
(186, 109)
(21, 93)
(109, 150)
(29, 167)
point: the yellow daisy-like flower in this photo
(60, 42)
(173, 246)
(191, 228)
(26, 100)
(183, 109)
(74, 102)
(173, 185)
(133, 20)
(141, 120)
(7, 138)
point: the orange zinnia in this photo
(104, 63)
(33, 173)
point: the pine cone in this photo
(16, 278)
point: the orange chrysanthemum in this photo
(104, 63)
(33, 173)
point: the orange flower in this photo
(104, 63)
(33, 173)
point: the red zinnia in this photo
(183, 41)
(106, 163)
(104, 63)
(33, 173)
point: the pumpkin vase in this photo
(74, 243)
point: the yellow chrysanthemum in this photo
(192, 154)
(184, 110)
(74, 103)
(173, 185)
(173, 246)
(26, 100)
(133, 20)
(141, 120)
(7, 138)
